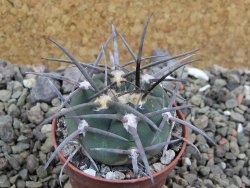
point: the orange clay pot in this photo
(79, 179)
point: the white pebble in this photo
(46, 128)
(90, 172)
(197, 73)
(247, 92)
(204, 88)
(116, 175)
(239, 128)
(29, 83)
(227, 113)
(223, 165)
(187, 161)
(242, 156)
(167, 156)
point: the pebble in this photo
(237, 181)
(237, 117)
(29, 82)
(71, 73)
(158, 167)
(197, 73)
(7, 133)
(3, 164)
(191, 178)
(227, 113)
(201, 122)
(32, 163)
(23, 174)
(116, 175)
(41, 172)
(90, 172)
(33, 184)
(35, 114)
(245, 180)
(167, 156)
(42, 91)
(47, 128)
(231, 103)
(20, 147)
(204, 88)
(4, 182)
(187, 161)
(5, 95)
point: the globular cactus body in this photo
(154, 101)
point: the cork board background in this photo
(220, 29)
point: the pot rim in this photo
(167, 168)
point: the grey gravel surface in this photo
(25, 146)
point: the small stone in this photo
(231, 103)
(41, 172)
(201, 122)
(20, 147)
(33, 184)
(3, 164)
(71, 73)
(242, 156)
(29, 82)
(47, 128)
(234, 148)
(12, 161)
(223, 141)
(196, 100)
(4, 182)
(5, 95)
(20, 183)
(55, 102)
(42, 91)
(35, 114)
(187, 161)
(167, 156)
(248, 127)
(104, 170)
(22, 98)
(190, 178)
(67, 185)
(237, 181)
(245, 180)
(13, 179)
(227, 113)
(47, 146)
(223, 165)
(32, 163)
(197, 73)
(23, 174)
(13, 110)
(204, 170)
(204, 88)
(7, 133)
(219, 82)
(237, 117)
(158, 167)
(90, 172)
(116, 175)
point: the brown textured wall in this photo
(220, 28)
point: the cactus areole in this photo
(120, 115)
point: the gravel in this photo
(25, 145)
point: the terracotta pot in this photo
(79, 179)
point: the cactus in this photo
(120, 116)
